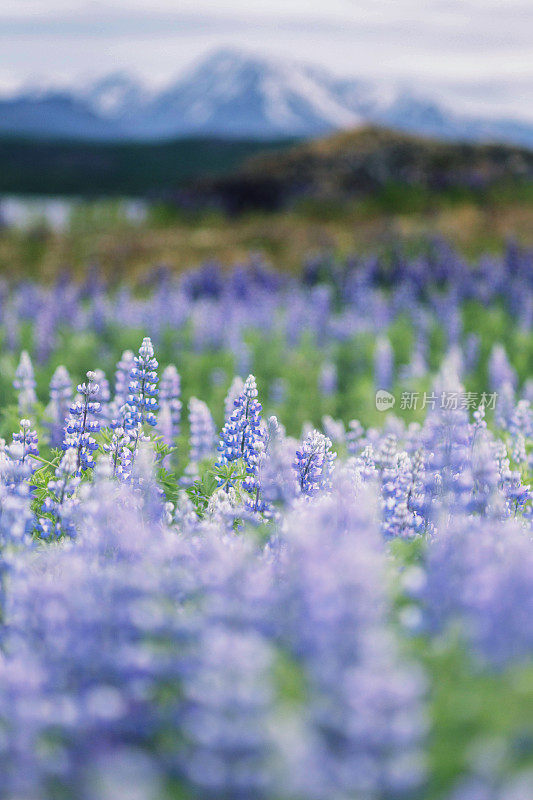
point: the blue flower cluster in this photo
(142, 389)
(242, 439)
(81, 426)
(313, 463)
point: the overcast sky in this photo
(479, 49)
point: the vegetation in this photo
(96, 169)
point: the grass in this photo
(99, 233)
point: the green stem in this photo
(44, 461)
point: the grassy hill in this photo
(369, 162)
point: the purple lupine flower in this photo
(234, 391)
(28, 442)
(364, 723)
(479, 576)
(59, 503)
(354, 437)
(314, 463)
(59, 405)
(225, 725)
(328, 379)
(82, 424)
(122, 379)
(15, 502)
(241, 437)
(142, 390)
(397, 486)
(278, 391)
(202, 439)
(500, 370)
(277, 478)
(169, 416)
(24, 384)
(202, 428)
(141, 403)
(447, 437)
(383, 364)
(103, 396)
(119, 450)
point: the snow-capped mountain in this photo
(115, 96)
(235, 94)
(232, 94)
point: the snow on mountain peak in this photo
(234, 93)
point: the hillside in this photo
(89, 169)
(371, 160)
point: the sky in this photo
(478, 52)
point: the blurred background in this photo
(135, 133)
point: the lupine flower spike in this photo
(82, 424)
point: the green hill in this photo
(92, 169)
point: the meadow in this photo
(228, 570)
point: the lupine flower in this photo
(327, 380)
(314, 463)
(365, 724)
(202, 439)
(59, 405)
(81, 424)
(154, 644)
(202, 431)
(500, 370)
(143, 390)
(15, 502)
(334, 429)
(354, 437)
(277, 478)
(383, 363)
(28, 441)
(486, 499)
(471, 351)
(122, 379)
(397, 486)
(119, 450)
(169, 417)
(141, 403)
(104, 395)
(505, 406)
(234, 392)
(242, 437)
(278, 391)
(58, 505)
(479, 576)
(447, 437)
(227, 700)
(24, 384)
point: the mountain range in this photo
(234, 94)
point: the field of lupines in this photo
(225, 573)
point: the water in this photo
(57, 213)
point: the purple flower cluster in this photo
(80, 425)
(246, 623)
(136, 644)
